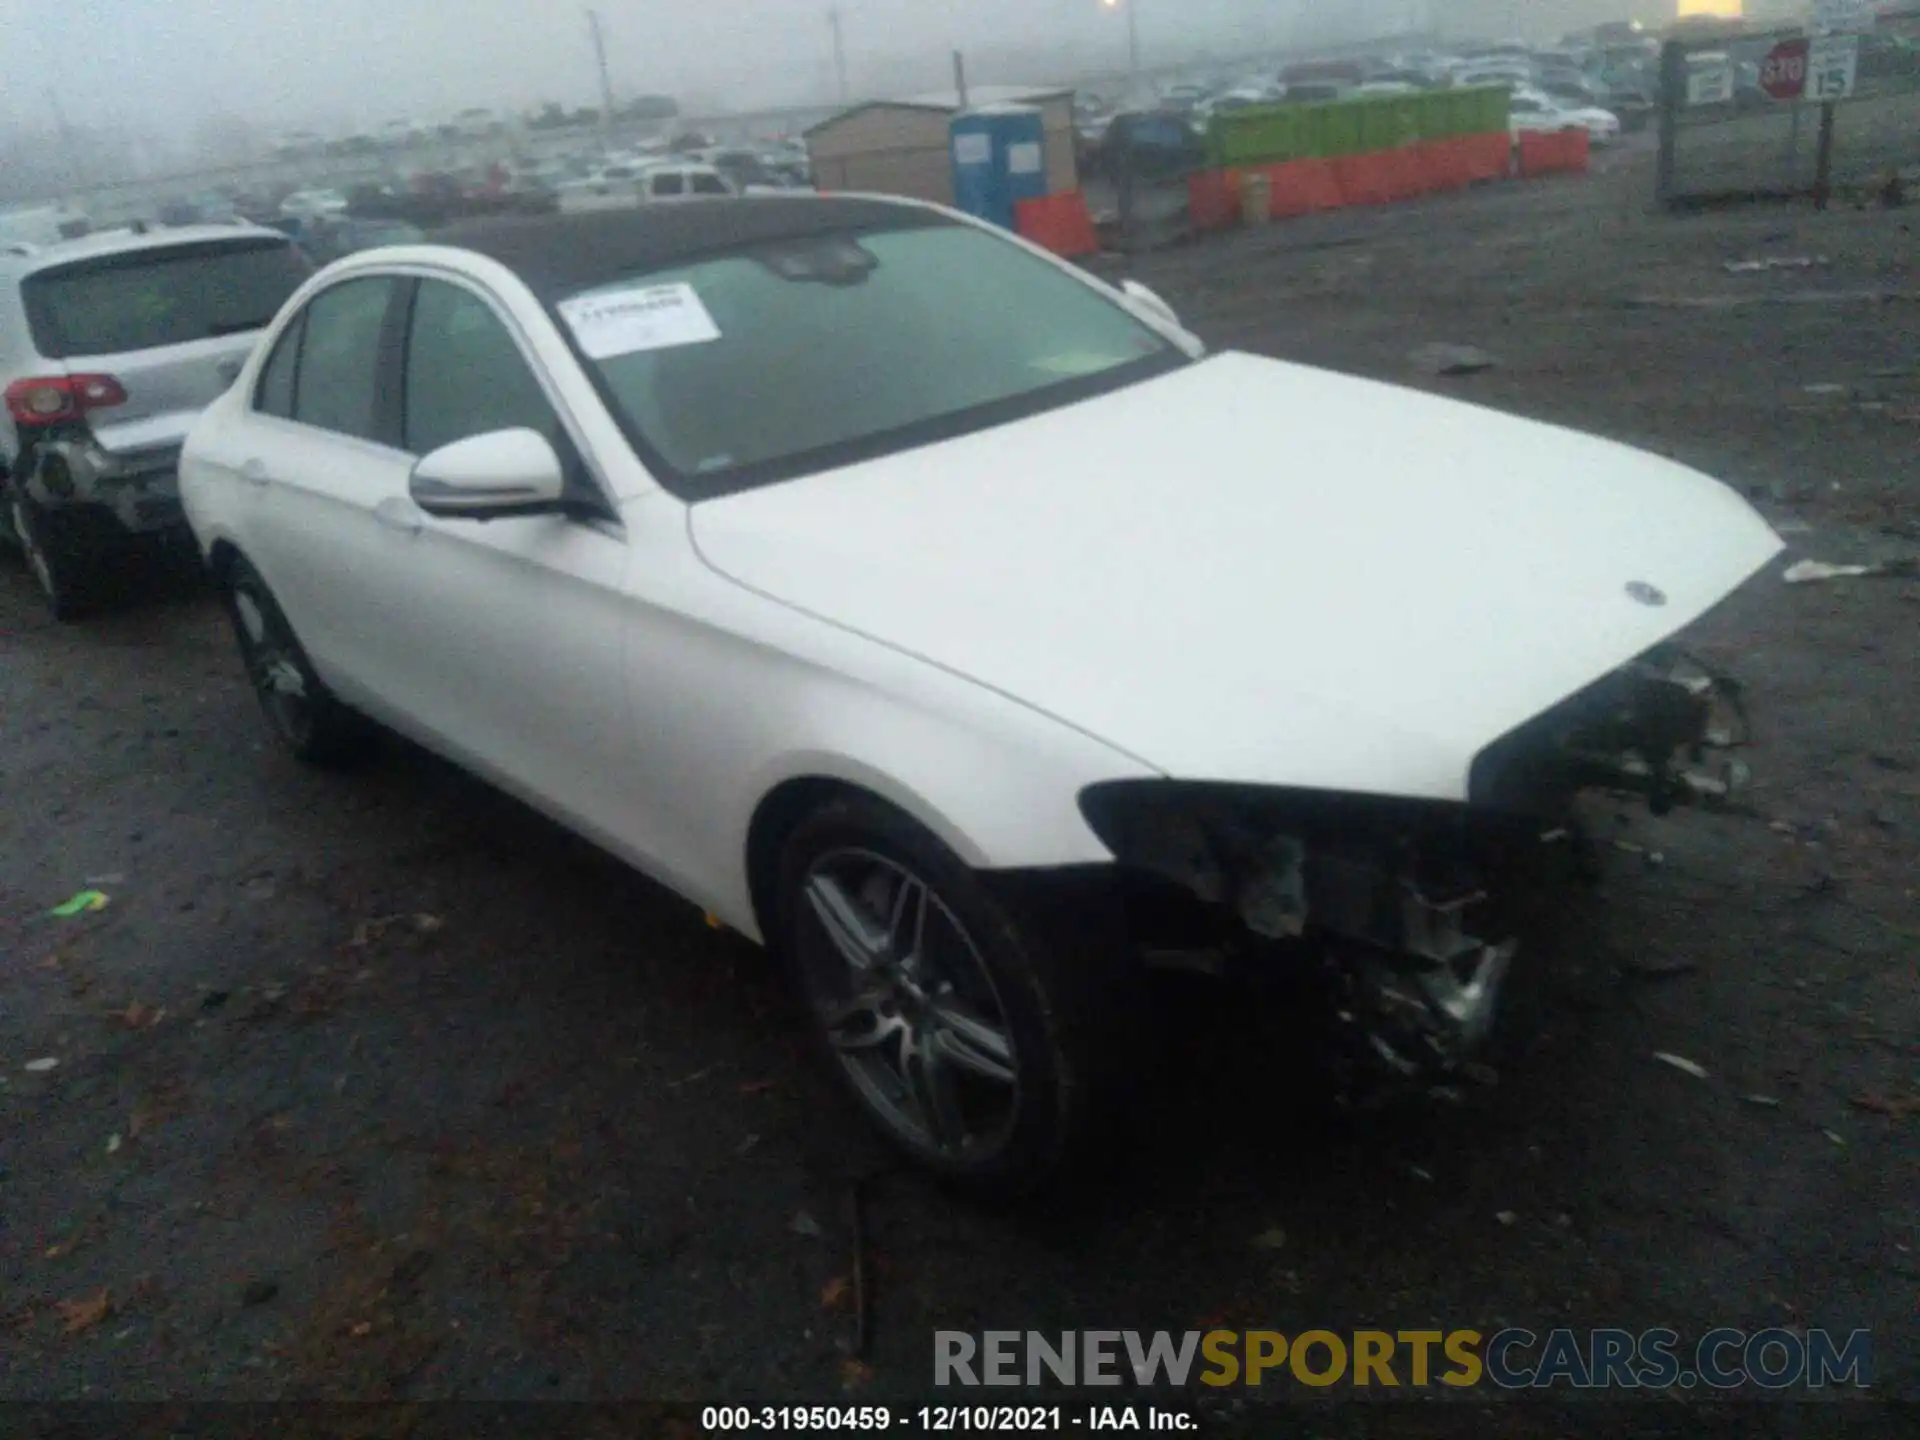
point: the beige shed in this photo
(899, 147)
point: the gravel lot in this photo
(383, 1087)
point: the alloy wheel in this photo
(908, 1006)
(272, 666)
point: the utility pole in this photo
(960, 78)
(600, 59)
(1133, 33)
(70, 142)
(839, 51)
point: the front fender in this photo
(995, 783)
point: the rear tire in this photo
(67, 551)
(308, 720)
(994, 1058)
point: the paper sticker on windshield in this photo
(625, 322)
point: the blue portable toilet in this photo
(999, 158)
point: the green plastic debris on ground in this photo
(81, 904)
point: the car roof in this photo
(560, 254)
(126, 242)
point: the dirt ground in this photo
(380, 1086)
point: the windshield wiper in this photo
(236, 327)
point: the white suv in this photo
(110, 346)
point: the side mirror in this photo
(484, 477)
(1147, 300)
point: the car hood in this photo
(1259, 572)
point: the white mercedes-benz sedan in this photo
(953, 623)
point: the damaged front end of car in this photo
(1403, 915)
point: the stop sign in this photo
(1784, 73)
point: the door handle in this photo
(399, 514)
(254, 472)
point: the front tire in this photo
(985, 1055)
(312, 725)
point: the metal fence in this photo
(1787, 113)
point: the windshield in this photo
(760, 365)
(144, 299)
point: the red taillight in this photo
(50, 399)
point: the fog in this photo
(122, 87)
(171, 63)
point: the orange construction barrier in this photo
(1061, 222)
(1566, 153)
(1488, 157)
(1213, 200)
(1404, 176)
(1449, 164)
(1304, 187)
(1361, 179)
(1431, 158)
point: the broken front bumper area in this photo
(1666, 728)
(1404, 916)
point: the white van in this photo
(624, 186)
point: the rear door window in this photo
(146, 299)
(670, 184)
(338, 384)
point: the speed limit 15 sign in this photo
(1833, 67)
(1783, 75)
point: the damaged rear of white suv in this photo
(110, 346)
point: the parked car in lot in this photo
(1636, 109)
(1183, 98)
(109, 347)
(330, 241)
(1530, 112)
(313, 204)
(683, 181)
(208, 208)
(606, 187)
(746, 170)
(1317, 92)
(27, 227)
(1385, 89)
(952, 622)
(1151, 145)
(1510, 73)
(623, 186)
